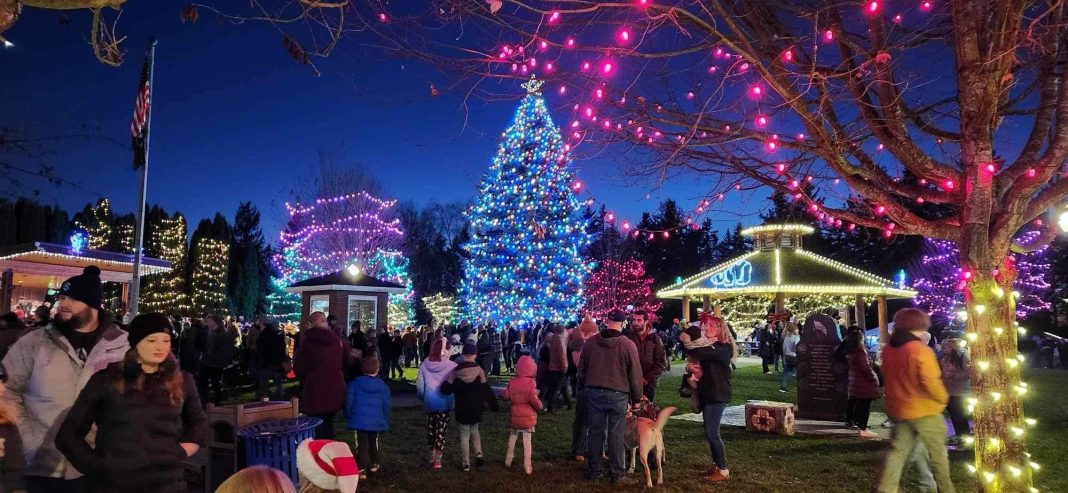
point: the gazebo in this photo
(32, 271)
(348, 295)
(780, 268)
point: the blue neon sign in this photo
(735, 276)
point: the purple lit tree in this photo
(939, 278)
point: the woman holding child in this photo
(710, 353)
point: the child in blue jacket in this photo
(367, 405)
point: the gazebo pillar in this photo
(884, 333)
(706, 302)
(859, 308)
(716, 310)
(780, 303)
(686, 308)
(6, 288)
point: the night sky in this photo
(235, 119)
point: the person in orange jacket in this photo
(915, 399)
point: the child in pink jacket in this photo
(523, 394)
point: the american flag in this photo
(139, 123)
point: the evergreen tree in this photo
(166, 293)
(528, 227)
(615, 284)
(96, 221)
(248, 277)
(208, 281)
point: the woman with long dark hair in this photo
(863, 385)
(147, 415)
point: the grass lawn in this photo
(758, 462)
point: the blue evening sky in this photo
(236, 119)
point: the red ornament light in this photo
(599, 93)
(880, 210)
(761, 121)
(610, 217)
(585, 66)
(382, 17)
(873, 7)
(919, 200)
(828, 36)
(667, 235)
(801, 137)
(851, 226)
(570, 43)
(577, 186)
(788, 56)
(771, 145)
(624, 36)
(720, 196)
(991, 167)
(1031, 172)
(897, 19)
(626, 226)
(689, 95)
(756, 92)
(949, 185)
(607, 68)
(926, 6)
(793, 184)
(549, 67)
(554, 16)
(781, 168)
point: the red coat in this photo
(319, 364)
(863, 384)
(523, 393)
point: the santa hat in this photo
(328, 465)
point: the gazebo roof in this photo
(778, 264)
(344, 280)
(41, 264)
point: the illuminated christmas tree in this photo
(940, 279)
(622, 285)
(335, 233)
(165, 293)
(527, 227)
(442, 307)
(209, 276)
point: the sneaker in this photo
(868, 434)
(375, 467)
(622, 481)
(580, 458)
(465, 467)
(712, 470)
(437, 465)
(852, 426)
(887, 424)
(782, 390)
(718, 475)
(954, 441)
(363, 475)
(479, 461)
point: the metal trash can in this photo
(274, 443)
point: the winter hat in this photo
(617, 315)
(455, 339)
(85, 288)
(588, 327)
(470, 349)
(328, 465)
(147, 324)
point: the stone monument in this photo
(821, 380)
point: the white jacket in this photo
(45, 376)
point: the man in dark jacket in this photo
(319, 364)
(270, 356)
(651, 352)
(221, 346)
(611, 375)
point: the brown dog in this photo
(645, 436)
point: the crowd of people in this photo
(89, 405)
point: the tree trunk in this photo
(1001, 460)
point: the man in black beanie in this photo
(47, 369)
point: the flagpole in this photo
(139, 225)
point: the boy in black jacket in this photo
(473, 393)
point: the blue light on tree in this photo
(528, 229)
(78, 241)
